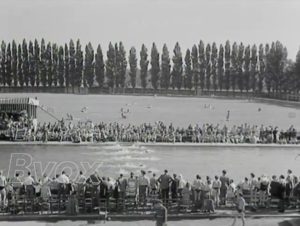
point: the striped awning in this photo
(22, 100)
(17, 105)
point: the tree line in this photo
(236, 67)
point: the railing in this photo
(90, 202)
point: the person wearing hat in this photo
(143, 183)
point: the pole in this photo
(53, 116)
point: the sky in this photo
(135, 22)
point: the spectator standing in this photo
(224, 185)
(153, 185)
(216, 185)
(122, 186)
(29, 188)
(174, 188)
(132, 187)
(240, 205)
(17, 185)
(181, 184)
(62, 180)
(197, 186)
(165, 180)
(81, 183)
(143, 182)
(3, 184)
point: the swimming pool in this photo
(113, 159)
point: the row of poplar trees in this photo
(203, 67)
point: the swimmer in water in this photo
(84, 109)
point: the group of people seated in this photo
(204, 194)
(158, 132)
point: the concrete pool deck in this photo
(220, 214)
(140, 144)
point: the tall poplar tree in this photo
(72, 63)
(55, 64)
(121, 65)
(20, 66)
(177, 67)
(8, 66)
(195, 67)
(14, 63)
(240, 62)
(3, 62)
(208, 66)
(67, 66)
(37, 62)
(25, 64)
(78, 65)
(43, 64)
(49, 65)
(227, 66)
(247, 68)
(117, 66)
(133, 66)
(99, 67)
(234, 66)
(110, 66)
(188, 72)
(214, 60)
(155, 69)
(262, 67)
(144, 62)
(221, 66)
(89, 66)
(165, 68)
(276, 62)
(31, 71)
(268, 72)
(202, 64)
(297, 73)
(253, 70)
(61, 67)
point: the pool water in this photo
(111, 160)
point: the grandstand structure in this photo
(12, 110)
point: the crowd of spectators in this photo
(29, 130)
(157, 132)
(202, 194)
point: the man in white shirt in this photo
(28, 180)
(62, 180)
(216, 185)
(3, 183)
(143, 186)
(28, 183)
